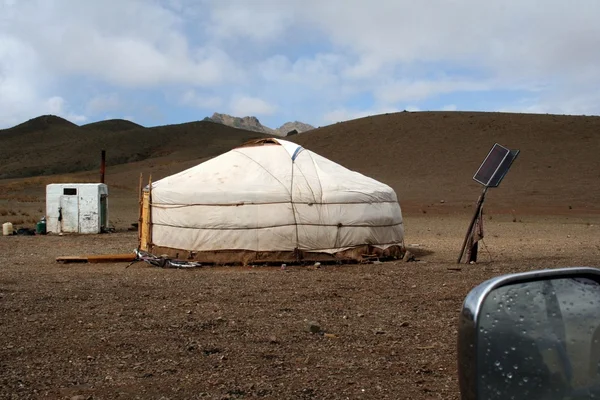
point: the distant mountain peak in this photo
(113, 125)
(251, 123)
(292, 128)
(42, 123)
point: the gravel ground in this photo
(104, 331)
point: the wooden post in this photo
(475, 237)
(140, 205)
(102, 165)
(472, 224)
(149, 212)
(146, 223)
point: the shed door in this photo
(103, 212)
(69, 203)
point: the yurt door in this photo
(69, 211)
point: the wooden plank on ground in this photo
(112, 258)
(95, 259)
(72, 259)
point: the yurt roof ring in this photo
(272, 141)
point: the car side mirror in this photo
(532, 335)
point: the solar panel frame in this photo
(498, 162)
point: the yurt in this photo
(270, 200)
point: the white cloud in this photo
(22, 86)
(308, 57)
(132, 44)
(55, 105)
(247, 105)
(450, 107)
(103, 103)
(406, 90)
(499, 35)
(193, 99)
(58, 106)
(19, 81)
(554, 103)
(263, 21)
(316, 71)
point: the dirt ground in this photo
(105, 331)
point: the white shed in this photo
(76, 207)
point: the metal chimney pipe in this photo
(102, 166)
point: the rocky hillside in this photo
(251, 123)
(292, 128)
(49, 145)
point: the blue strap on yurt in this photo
(298, 150)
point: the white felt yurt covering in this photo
(272, 196)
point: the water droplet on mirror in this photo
(521, 318)
(513, 348)
(497, 363)
(509, 375)
(515, 366)
(525, 379)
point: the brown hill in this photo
(41, 123)
(61, 148)
(113, 125)
(428, 157)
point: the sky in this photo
(159, 62)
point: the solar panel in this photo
(495, 166)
